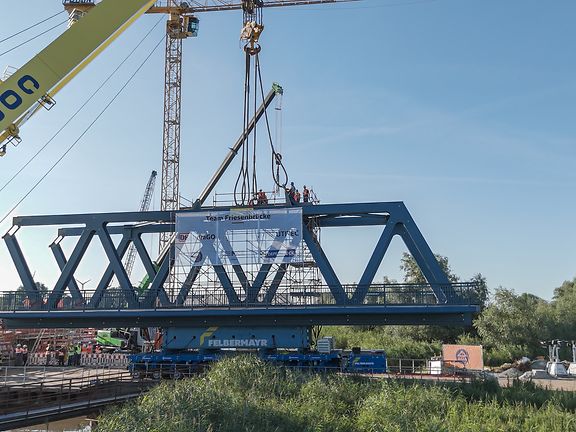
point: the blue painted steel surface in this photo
(176, 364)
(367, 361)
(284, 315)
(210, 338)
(258, 299)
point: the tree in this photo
(413, 274)
(43, 289)
(513, 319)
(481, 293)
(564, 304)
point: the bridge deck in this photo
(262, 316)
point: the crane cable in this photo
(242, 186)
(244, 189)
(32, 38)
(32, 26)
(110, 76)
(276, 156)
(100, 114)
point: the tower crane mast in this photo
(182, 23)
(144, 206)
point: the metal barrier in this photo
(463, 293)
(30, 395)
(108, 360)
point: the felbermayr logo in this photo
(11, 99)
(237, 343)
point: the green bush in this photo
(245, 394)
(382, 338)
(497, 356)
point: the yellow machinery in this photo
(34, 85)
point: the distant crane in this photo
(144, 206)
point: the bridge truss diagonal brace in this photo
(61, 260)
(156, 290)
(67, 272)
(251, 290)
(425, 259)
(398, 221)
(390, 230)
(117, 266)
(104, 283)
(22, 268)
(325, 267)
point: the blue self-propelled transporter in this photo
(187, 351)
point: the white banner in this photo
(239, 237)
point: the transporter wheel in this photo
(177, 375)
(156, 375)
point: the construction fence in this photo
(94, 360)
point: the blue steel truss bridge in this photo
(230, 276)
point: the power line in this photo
(32, 38)
(31, 27)
(82, 134)
(81, 107)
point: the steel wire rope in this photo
(276, 157)
(81, 107)
(32, 26)
(242, 178)
(254, 132)
(32, 38)
(112, 100)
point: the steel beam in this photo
(243, 317)
(61, 260)
(70, 267)
(22, 268)
(393, 216)
(325, 267)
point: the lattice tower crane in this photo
(182, 23)
(144, 206)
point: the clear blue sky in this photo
(462, 109)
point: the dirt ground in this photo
(566, 384)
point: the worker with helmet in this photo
(25, 354)
(297, 196)
(291, 191)
(305, 194)
(262, 198)
(18, 352)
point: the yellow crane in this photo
(35, 84)
(96, 26)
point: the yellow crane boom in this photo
(35, 83)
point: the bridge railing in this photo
(465, 293)
(31, 396)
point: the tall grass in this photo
(244, 394)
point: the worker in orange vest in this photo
(297, 196)
(262, 198)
